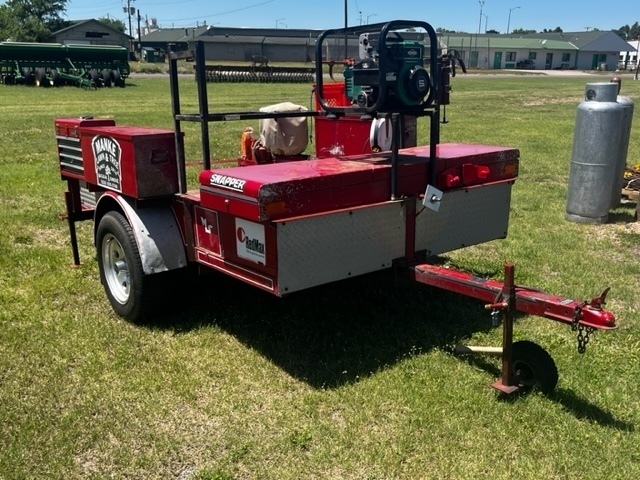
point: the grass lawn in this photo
(353, 380)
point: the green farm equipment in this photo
(54, 64)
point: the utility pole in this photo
(509, 21)
(346, 25)
(139, 37)
(635, 77)
(130, 10)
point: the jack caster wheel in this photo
(533, 368)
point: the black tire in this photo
(55, 78)
(41, 78)
(118, 81)
(28, 75)
(533, 368)
(107, 80)
(120, 265)
(95, 78)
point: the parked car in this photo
(526, 64)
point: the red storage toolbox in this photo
(116, 157)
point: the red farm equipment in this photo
(370, 199)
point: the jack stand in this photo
(507, 383)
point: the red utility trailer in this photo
(289, 221)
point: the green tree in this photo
(113, 23)
(627, 32)
(31, 20)
(622, 32)
(444, 30)
(522, 31)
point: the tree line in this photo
(625, 32)
(36, 20)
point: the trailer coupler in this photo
(524, 364)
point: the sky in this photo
(461, 15)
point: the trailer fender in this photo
(156, 231)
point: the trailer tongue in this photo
(287, 222)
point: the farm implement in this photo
(285, 221)
(52, 65)
(258, 72)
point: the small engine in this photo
(405, 82)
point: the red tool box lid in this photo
(280, 190)
(289, 189)
(454, 154)
(125, 132)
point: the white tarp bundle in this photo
(284, 136)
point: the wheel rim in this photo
(524, 373)
(116, 269)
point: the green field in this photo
(353, 380)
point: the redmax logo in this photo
(250, 240)
(241, 235)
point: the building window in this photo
(532, 55)
(566, 57)
(511, 57)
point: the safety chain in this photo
(495, 317)
(583, 337)
(496, 314)
(583, 332)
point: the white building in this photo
(595, 50)
(629, 60)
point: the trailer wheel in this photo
(533, 367)
(120, 265)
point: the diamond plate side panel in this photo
(324, 248)
(466, 217)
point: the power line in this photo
(217, 14)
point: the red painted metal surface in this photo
(70, 127)
(271, 192)
(528, 300)
(334, 95)
(142, 161)
(217, 238)
(348, 135)
(461, 165)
